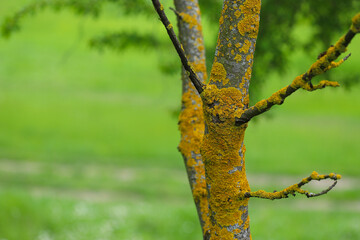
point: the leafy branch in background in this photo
(124, 40)
(82, 7)
(12, 23)
(278, 20)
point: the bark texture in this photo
(191, 120)
(239, 26)
(225, 99)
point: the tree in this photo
(216, 164)
(217, 175)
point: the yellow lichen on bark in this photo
(191, 126)
(326, 63)
(297, 82)
(355, 27)
(245, 47)
(261, 104)
(249, 24)
(277, 98)
(321, 84)
(200, 66)
(221, 20)
(191, 121)
(218, 72)
(237, 58)
(248, 73)
(223, 155)
(191, 20)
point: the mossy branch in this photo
(325, 62)
(179, 49)
(296, 188)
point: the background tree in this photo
(186, 17)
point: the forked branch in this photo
(325, 62)
(179, 49)
(296, 188)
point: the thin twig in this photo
(309, 195)
(179, 49)
(296, 188)
(176, 13)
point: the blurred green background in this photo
(88, 140)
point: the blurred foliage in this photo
(12, 23)
(276, 41)
(123, 40)
(82, 7)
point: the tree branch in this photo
(325, 62)
(179, 49)
(296, 188)
(176, 13)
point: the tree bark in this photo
(191, 121)
(225, 99)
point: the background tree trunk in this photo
(191, 121)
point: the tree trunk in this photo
(224, 99)
(191, 121)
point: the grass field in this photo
(87, 139)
